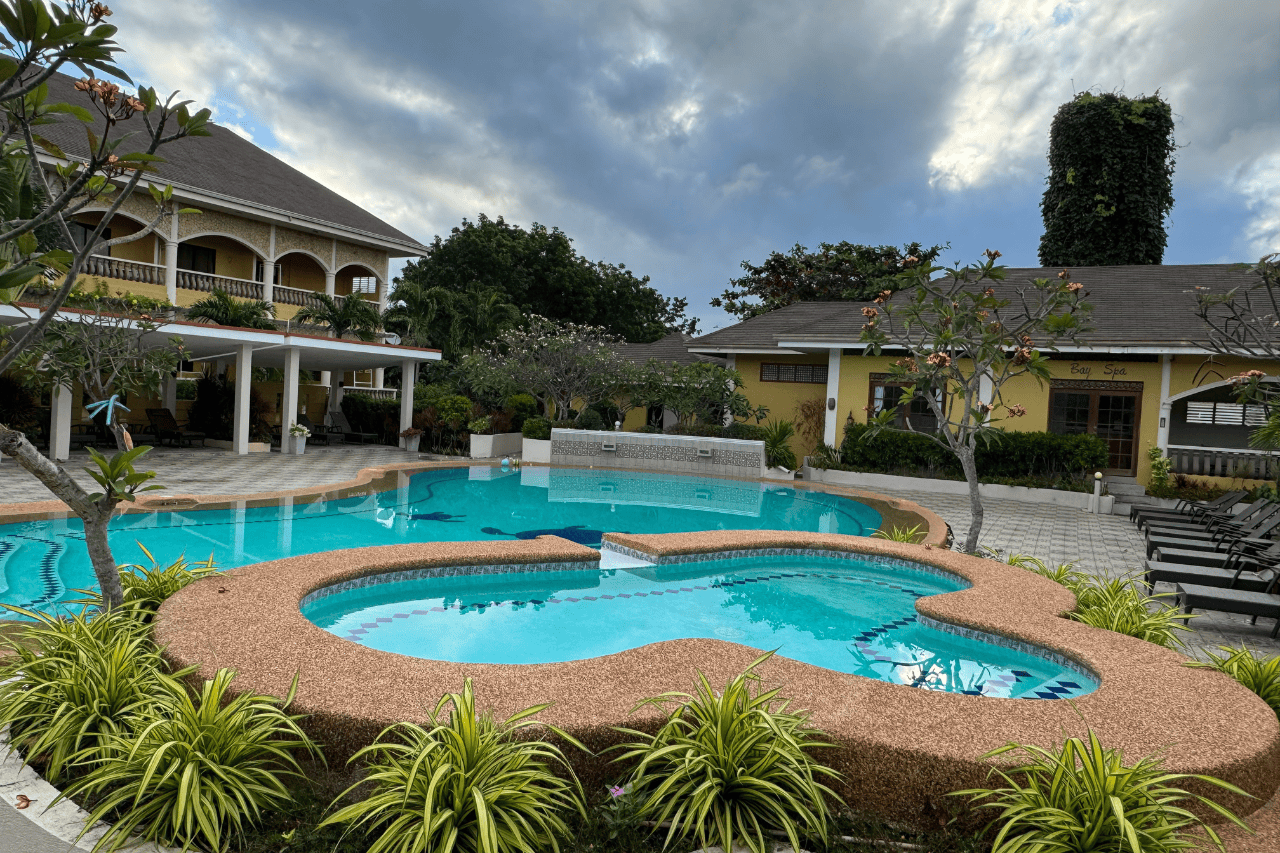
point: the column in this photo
(1166, 405)
(60, 424)
(986, 389)
(382, 295)
(408, 378)
(831, 424)
(244, 378)
(289, 403)
(171, 271)
(268, 282)
(169, 394)
(329, 282)
(335, 391)
(379, 377)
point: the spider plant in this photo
(1259, 674)
(1116, 604)
(464, 783)
(193, 769)
(146, 587)
(726, 768)
(1082, 796)
(74, 682)
(911, 535)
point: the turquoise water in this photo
(41, 563)
(848, 615)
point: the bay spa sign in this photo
(1110, 368)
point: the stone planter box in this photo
(858, 479)
(254, 446)
(500, 444)
(535, 450)
(643, 451)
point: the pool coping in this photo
(922, 744)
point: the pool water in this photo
(849, 615)
(42, 563)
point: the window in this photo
(886, 395)
(196, 258)
(813, 373)
(1226, 414)
(364, 284)
(1109, 410)
(80, 233)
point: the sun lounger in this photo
(1247, 602)
(342, 425)
(1237, 571)
(165, 426)
(319, 435)
(1213, 522)
(1221, 539)
(1186, 509)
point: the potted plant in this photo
(412, 436)
(298, 435)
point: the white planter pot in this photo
(411, 443)
(534, 450)
(297, 445)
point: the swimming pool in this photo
(853, 615)
(43, 562)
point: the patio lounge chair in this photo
(319, 434)
(1211, 521)
(1248, 602)
(1188, 512)
(1223, 538)
(342, 425)
(165, 426)
(1251, 572)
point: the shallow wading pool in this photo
(852, 614)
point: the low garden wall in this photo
(676, 454)
(489, 446)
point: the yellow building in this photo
(1142, 377)
(264, 231)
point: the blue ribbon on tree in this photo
(110, 405)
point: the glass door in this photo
(1108, 413)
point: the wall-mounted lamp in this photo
(831, 404)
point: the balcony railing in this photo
(1223, 462)
(375, 393)
(124, 270)
(203, 282)
(302, 298)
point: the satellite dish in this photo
(392, 339)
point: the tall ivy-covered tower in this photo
(1110, 181)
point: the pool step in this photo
(610, 559)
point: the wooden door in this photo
(1109, 410)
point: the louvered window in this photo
(1226, 414)
(811, 373)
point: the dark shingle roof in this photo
(227, 164)
(673, 348)
(1132, 306)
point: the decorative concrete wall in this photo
(676, 454)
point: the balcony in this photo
(302, 298)
(1235, 463)
(101, 265)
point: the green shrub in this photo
(1008, 455)
(1083, 797)
(481, 426)
(726, 768)
(777, 445)
(522, 407)
(1259, 674)
(912, 535)
(745, 431)
(1117, 604)
(537, 428)
(703, 430)
(75, 682)
(146, 587)
(453, 410)
(466, 783)
(591, 419)
(608, 412)
(19, 408)
(193, 769)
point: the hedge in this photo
(1009, 454)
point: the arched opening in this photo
(300, 271)
(357, 279)
(220, 255)
(145, 250)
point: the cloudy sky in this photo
(681, 138)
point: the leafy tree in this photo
(540, 272)
(353, 316)
(705, 392)
(221, 309)
(456, 322)
(558, 363)
(835, 271)
(959, 334)
(36, 41)
(1110, 181)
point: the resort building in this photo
(1141, 377)
(264, 231)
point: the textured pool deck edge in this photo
(901, 749)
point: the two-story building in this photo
(1141, 377)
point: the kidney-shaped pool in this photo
(850, 615)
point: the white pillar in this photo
(171, 271)
(986, 389)
(329, 282)
(831, 425)
(325, 377)
(335, 391)
(60, 423)
(408, 378)
(268, 282)
(382, 295)
(378, 377)
(289, 402)
(169, 394)
(1166, 405)
(244, 378)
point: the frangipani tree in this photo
(963, 339)
(123, 132)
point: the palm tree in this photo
(479, 315)
(355, 316)
(417, 312)
(221, 308)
